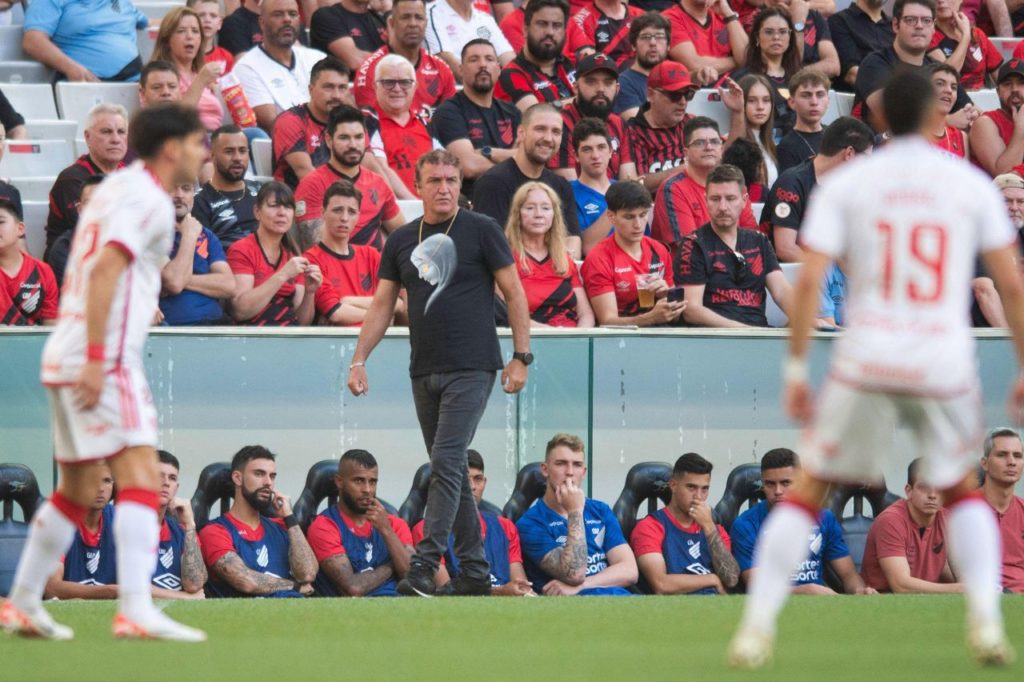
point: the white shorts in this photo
(853, 431)
(124, 417)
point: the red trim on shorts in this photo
(975, 494)
(809, 509)
(147, 498)
(129, 410)
(123, 248)
(124, 320)
(72, 511)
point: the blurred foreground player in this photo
(908, 245)
(101, 407)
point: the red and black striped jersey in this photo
(520, 78)
(247, 257)
(297, 130)
(655, 149)
(30, 296)
(566, 156)
(351, 274)
(551, 297)
(590, 27)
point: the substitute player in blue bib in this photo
(257, 548)
(179, 561)
(573, 545)
(362, 550)
(680, 549)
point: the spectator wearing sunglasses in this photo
(679, 205)
(726, 271)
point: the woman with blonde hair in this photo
(538, 238)
(180, 42)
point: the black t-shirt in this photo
(229, 215)
(493, 192)
(815, 30)
(876, 69)
(240, 32)
(457, 331)
(458, 118)
(368, 30)
(734, 287)
(796, 147)
(9, 118)
(787, 200)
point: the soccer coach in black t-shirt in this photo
(448, 262)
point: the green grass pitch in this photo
(565, 639)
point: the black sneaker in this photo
(418, 582)
(463, 586)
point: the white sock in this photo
(49, 538)
(780, 548)
(137, 534)
(975, 552)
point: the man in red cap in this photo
(597, 83)
(655, 134)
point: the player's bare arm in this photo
(400, 553)
(338, 570)
(110, 265)
(193, 568)
(569, 562)
(847, 572)
(58, 588)
(231, 569)
(722, 560)
(517, 585)
(374, 325)
(802, 313)
(301, 560)
(621, 572)
(656, 573)
(897, 574)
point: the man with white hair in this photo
(405, 137)
(988, 308)
(106, 136)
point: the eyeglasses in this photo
(651, 38)
(918, 21)
(679, 95)
(711, 142)
(393, 83)
(775, 32)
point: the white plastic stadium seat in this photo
(708, 102)
(1005, 46)
(51, 129)
(23, 72)
(145, 38)
(263, 157)
(35, 157)
(17, 15)
(776, 318)
(411, 208)
(34, 188)
(10, 43)
(31, 100)
(985, 100)
(75, 100)
(843, 102)
(756, 210)
(81, 148)
(156, 10)
(35, 226)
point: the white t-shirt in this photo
(268, 81)
(908, 222)
(131, 211)
(447, 31)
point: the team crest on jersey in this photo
(782, 210)
(30, 296)
(694, 549)
(374, 196)
(816, 541)
(366, 281)
(263, 557)
(599, 536)
(369, 552)
(483, 32)
(505, 131)
(92, 561)
(167, 557)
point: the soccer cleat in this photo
(159, 627)
(750, 650)
(989, 647)
(14, 621)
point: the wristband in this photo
(291, 521)
(731, 18)
(95, 352)
(356, 364)
(794, 370)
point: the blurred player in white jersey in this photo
(907, 223)
(100, 404)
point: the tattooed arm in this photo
(231, 569)
(726, 568)
(339, 570)
(569, 562)
(301, 559)
(193, 570)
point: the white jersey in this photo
(131, 211)
(908, 223)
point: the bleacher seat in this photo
(411, 208)
(411, 510)
(856, 526)
(35, 225)
(35, 157)
(17, 485)
(81, 148)
(17, 15)
(645, 482)
(10, 44)
(530, 485)
(156, 10)
(31, 100)
(53, 129)
(742, 487)
(839, 104)
(986, 100)
(214, 486)
(777, 318)
(263, 157)
(34, 188)
(1006, 46)
(75, 100)
(756, 209)
(708, 102)
(145, 38)
(17, 71)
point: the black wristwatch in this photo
(486, 152)
(525, 358)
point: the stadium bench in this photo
(34, 188)
(1005, 46)
(10, 44)
(51, 129)
(17, 485)
(35, 157)
(19, 71)
(411, 208)
(31, 100)
(530, 485)
(985, 100)
(646, 481)
(742, 486)
(839, 104)
(411, 510)
(75, 100)
(262, 157)
(145, 38)
(35, 226)
(708, 102)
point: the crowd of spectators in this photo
(564, 543)
(582, 98)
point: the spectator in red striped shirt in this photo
(707, 37)
(596, 86)
(540, 72)
(602, 27)
(964, 47)
(28, 289)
